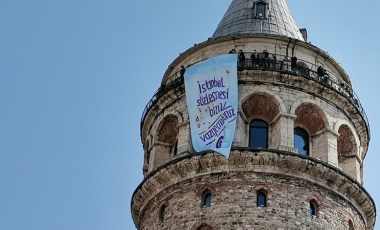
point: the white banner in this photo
(212, 99)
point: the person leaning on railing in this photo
(241, 57)
(322, 74)
(293, 63)
(274, 61)
(254, 59)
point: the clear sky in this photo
(75, 76)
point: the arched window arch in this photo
(347, 152)
(204, 227)
(261, 198)
(206, 199)
(312, 119)
(301, 141)
(313, 208)
(265, 107)
(258, 134)
(166, 136)
(161, 214)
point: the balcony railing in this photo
(279, 63)
(173, 82)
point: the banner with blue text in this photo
(212, 99)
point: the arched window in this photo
(347, 152)
(312, 208)
(311, 139)
(301, 141)
(258, 134)
(350, 225)
(161, 214)
(206, 199)
(261, 199)
(163, 148)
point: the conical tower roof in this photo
(258, 16)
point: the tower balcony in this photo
(281, 64)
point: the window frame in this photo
(263, 194)
(251, 134)
(206, 199)
(301, 132)
(313, 209)
(260, 7)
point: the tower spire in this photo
(258, 16)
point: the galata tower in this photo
(301, 136)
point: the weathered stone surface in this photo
(170, 197)
(289, 180)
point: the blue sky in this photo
(75, 76)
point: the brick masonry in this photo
(290, 182)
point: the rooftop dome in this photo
(258, 16)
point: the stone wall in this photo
(234, 204)
(234, 183)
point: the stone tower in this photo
(298, 150)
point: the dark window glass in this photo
(260, 9)
(207, 199)
(301, 141)
(258, 134)
(350, 225)
(261, 199)
(175, 150)
(312, 209)
(162, 213)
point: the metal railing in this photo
(272, 62)
(307, 70)
(173, 82)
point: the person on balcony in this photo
(254, 59)
(274, 61)
(322, 74)
(241, 57)
(294, 63)
(266, 59)
(321, 71)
